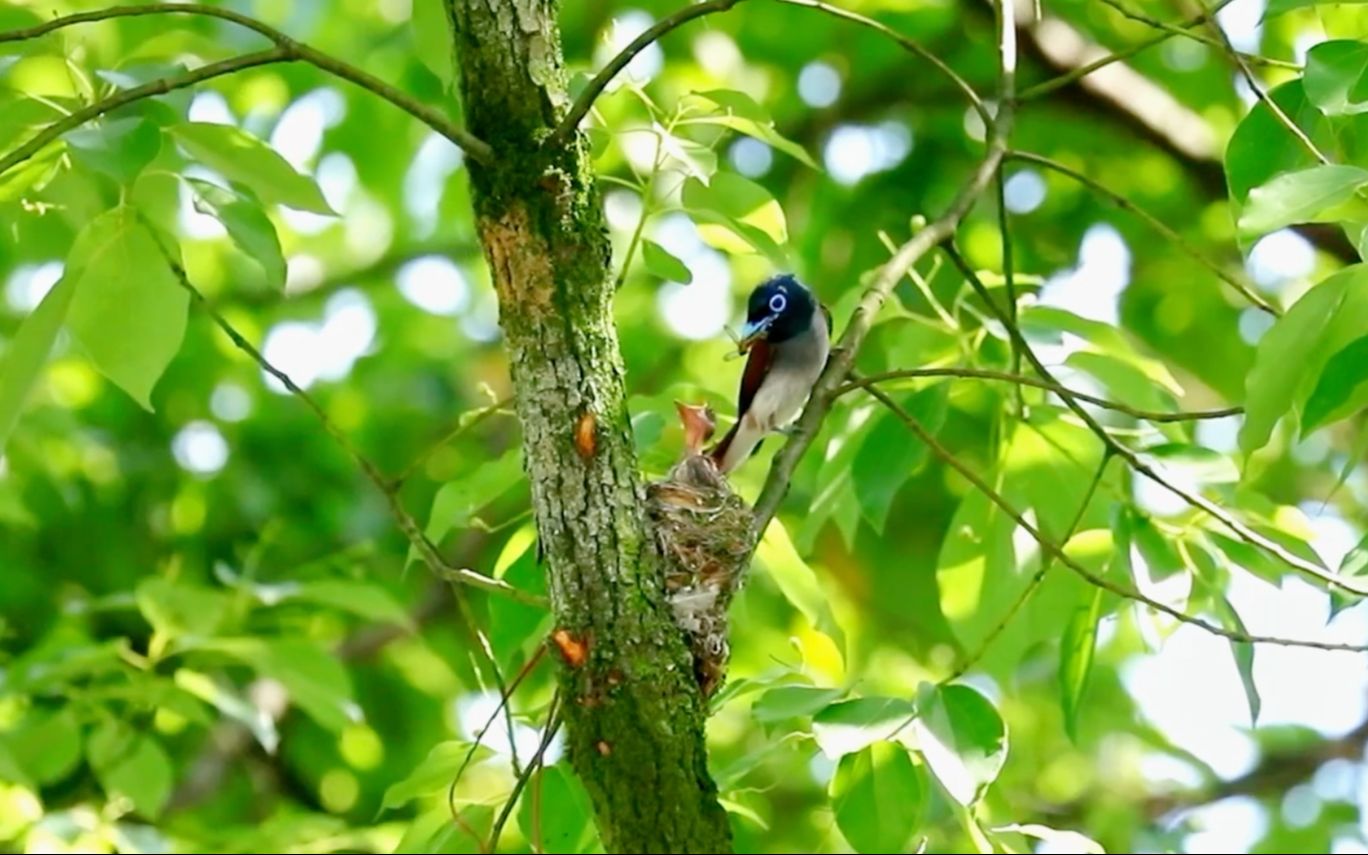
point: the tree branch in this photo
(1053, 549)
(1189, 33)
(288, 50)
(431, 557)
(615, 65)
(939, 230)
(34, 144)
(914, 47)
(1027, 380)
(1154, 222)
(1195, 500)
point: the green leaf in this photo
(456, 502)
(890, 455)
(226, 701)
(180, 608)
(1336, 77)
(241, 157)
(1321, 194)
(661, 263)
(1193, 463)
(878, 798)
(434, 774)
(786, 702)
(248, 226)
(849, 726)
(129, 309)
(962, 737)
(119, 148)
(433, 39)
(736, 215)
(1244, 656)
(744, 115)
(1353, 567)
(132, 765)
(562, 812)
(1059, 841)
(315, 679)
(1076, 659)
(47, 745)
(1340, 389)
(795, 578)
(1123, 379)
(28, 352)
(1292, 353)
(33, 174)
(1278, 7)
(365, 599)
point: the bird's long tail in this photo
(736, 445)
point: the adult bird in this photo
(788, 338)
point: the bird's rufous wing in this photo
(758, 364)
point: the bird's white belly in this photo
(781, 400)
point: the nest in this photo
(704, 530)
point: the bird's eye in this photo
(778, 303)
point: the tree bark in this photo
(634, 715)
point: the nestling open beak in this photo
(752, 332)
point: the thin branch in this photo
(553, 723)
(1196, 500)
(843, 354)
(1027, 380)
(1259, 92)
(287, 50)
(1154, 222)
(907, 44)
(431, 557)
(615, 65)
(467, 422)
(1045, 564)
(1051, 548)
(1082, 71)
(34, 144)
(1175, 29)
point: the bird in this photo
(787, 336)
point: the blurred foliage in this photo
(216, 638)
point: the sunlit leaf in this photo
(365, 599)
(1059, 841)
(890, 455)
(784, 702)
(315, 680)
(228, 702)
(1193, 463)
(247, 225)
(1340, 389)
(1277, 7)
(1076, 659)
(558, 818)
(128, 310)
(434, 774)
(878, 797)
(796, 580)
(131, 764)
(962, 737)
(661, 263)
(433, 39)
(47, 744)
(1336, 76)
(736, 215)
(1324, 193)
(120, 148)
(241, 157)
(741, 113)
(25, 355)
(177, 608)
(849, 726)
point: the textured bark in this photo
(634, 715)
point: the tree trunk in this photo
(635, 718)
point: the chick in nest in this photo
(703, 529)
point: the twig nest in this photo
(703, 529)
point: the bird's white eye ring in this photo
(778, 303)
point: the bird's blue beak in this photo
(753, 331)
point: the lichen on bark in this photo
(634, 716)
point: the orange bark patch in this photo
(574, 651)
(586, 440)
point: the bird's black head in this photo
(780, 308)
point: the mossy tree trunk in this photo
(634, 715)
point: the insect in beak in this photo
(752, 332)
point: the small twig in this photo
(908, 44)
(1045, 564)
(600, 81)
(1175, 29)
(1259, 92)
(1027, 380)
(1082, 71)
(1009, 276)
(1050, 547)
(553, 723)
(407, 525)
(1154, 222)
(1243, 531)
(287, 49)
(466, 422)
